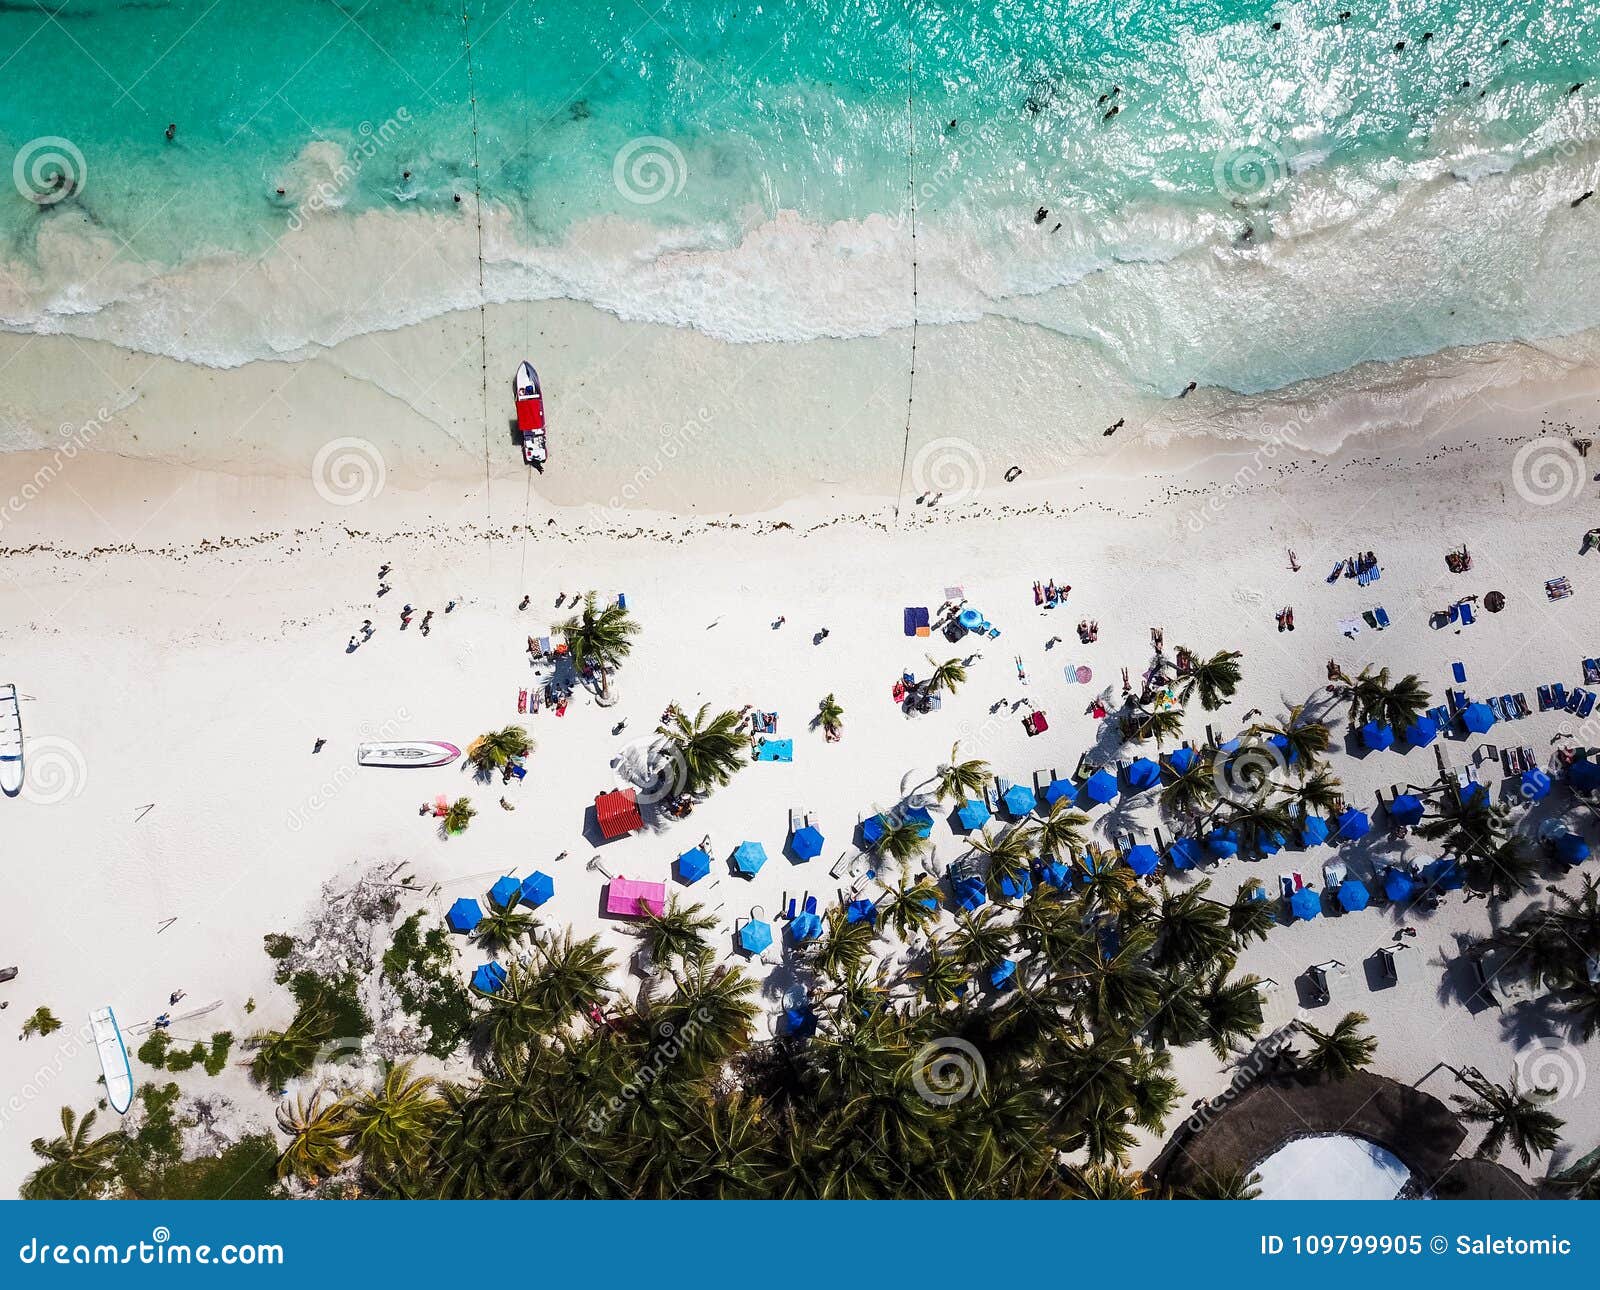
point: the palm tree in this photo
(942, 978)
(1214, 679)
(1061, 831)
(316, 1132)
(1511, 1113)
(457, 817)
(1468, 824)
(502, 928)
(1189, 794)
(902, 839)
(283, 1054)
(1305, 740)
(391, 1126)
(1104, 1182)
(949, 675)
(1138, 726)
(1374, 697)
(830, 716)
(1232, 1184)
(1508, 869)
(979, 939)
(1340, 1052)
(497, 748)
(1249, 916)
(1009, 854)
(1320, 792)
(602, 637)
(573, 977)
(679, 933)
(1191, 931)
(711, 751)
(77, 1166)
(960, 780)
(1232, 1010)
(843, 950)
(908, 908)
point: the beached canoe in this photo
(530, 413)
(113, 1059)
(414, 753)
(11, 767)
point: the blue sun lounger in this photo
(1587, 706)
(1459, 672)
(1382, 617)
(1558, 692)
(1466, 613)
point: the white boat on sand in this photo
(11, 768)
(421, 752)
(113, 1059)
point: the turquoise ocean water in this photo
(1281, 193)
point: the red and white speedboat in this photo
(530, 414)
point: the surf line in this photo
(911, 197)
(483, 303)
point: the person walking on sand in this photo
(317, 747)
(451, 605)
(172, 999)
(427, 620)
(524, 603)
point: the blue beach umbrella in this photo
(1397, 885)
(1001, 973)
(1353, 895)
(1406, 809)
(872, 830)
(1535, 784)
(1583, 776)
(1475, 794)
(807, 843)
(1305, 903)
(1056, 789)
(748, 857)
(1571, 849)
(1443, 873)
(694, 865)
(1271, 842)
(1477, 717)
(1377, 736)
(861, 911)
(489, 978)
(973, 814)
(1057, 874)
(1222, 843)
(922, 818)
(1142, 859)
(1352, 824)
(805, 927)
(537, 888)
(1016, 888)
(505, 891)
(1185, 853)
(755, 936)
(969, 893)
(799, 1023)
(1019, 800)
(1101, 787)
(1313, 831)
(464, 915)
(1143, 774)
(1421, 732)
(1181, 759)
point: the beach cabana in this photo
(1477, 717)
(1353, 895)
(1002, 973)
(861, 911)
(1101, 786)
(1018, 800)
(748, 857)
(1305, 903)
(1142, 859)
(755, 936)
(1056, 789)
(505, 891)
(1377, 736)
(1181, 759)
(807, 843)
(969, 893)
(1571, 849)
(617, 813)
(1313, 831)
(1406, 809)
(537, 888)
(1352, 824)
(805, 926)
(1397, 885)
(973, 814)
(693, 865)
(1583, 775)
(1185, 853)
(633, 898)
(464, 915)
(1421, 732)
(1143, 773)
(489, 978)
(1222, 843)
(1534, 785)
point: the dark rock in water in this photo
(1579, 201)
(1111, 114)
(1033, 105)
(1399, 45)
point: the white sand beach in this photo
(179, 635)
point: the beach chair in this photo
(1337, 570)
(1558, 692)
(1591, 671)
(1458, 673)
(1494, 707)
(1573, 700)
(1466, 614)
(1382, 617)
(1587, 706)
(1545, 701)
(1041, 778)
(991, 797)
(1509, 704)
(1393, 965)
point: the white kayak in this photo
(11, 767)
(113, 1059)
(425, 752)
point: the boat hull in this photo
(530, 413)
(11, 764)
(407, 754)
(114, 1063)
